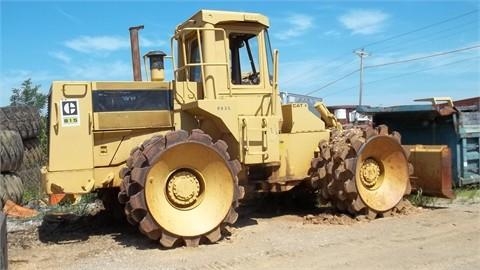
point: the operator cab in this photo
(225, 80)
(224, 52)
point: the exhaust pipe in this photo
(137, 72)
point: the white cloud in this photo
(68, 16)
(84, 70)
(364, 22)
(298, 25)
(62, 56)
(152, 43)
(106, 44)
(88, 70)
(331, 33)
(89, 44)
(94, 70)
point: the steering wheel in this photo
(254, 78)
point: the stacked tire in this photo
(20, 152)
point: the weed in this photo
(468, 194)
(418, 199)
(80, 205)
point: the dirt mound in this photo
(332, 217)
(329, 219)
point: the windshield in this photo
(245, 58)
(268, 49)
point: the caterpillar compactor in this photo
(182, 153)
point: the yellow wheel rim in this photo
(183, 188)
(371, 173)
(381, 173)
(190, 189)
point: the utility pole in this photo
(361, 53)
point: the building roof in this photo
(472, 104)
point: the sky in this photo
(89, 40)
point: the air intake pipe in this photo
(156, 60)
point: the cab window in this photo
(244, 59)
(194, 71)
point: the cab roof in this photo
(217, 16)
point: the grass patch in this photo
(468, 194)
(32, 193)
(71, 206)
(418, 199)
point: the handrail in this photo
(437, 100)
(275, 83)
(246, 140)
(180, 35)
(57, 118)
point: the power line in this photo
(332, 82)
(391, 63)
(428, 37)
(384, 40)
(338, 68)
(402, 75)
(420, 29)
(423, 70)
(422, 57)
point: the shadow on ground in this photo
(69, 228)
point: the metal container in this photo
(437, 125)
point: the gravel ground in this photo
(442, 237)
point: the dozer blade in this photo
(432, 170)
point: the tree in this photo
(28, 94)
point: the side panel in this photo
(113, 148)
(95, 125)
(468, 148)
(297, 151)
(71, 138)
(126, 114)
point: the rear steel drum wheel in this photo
(362, 171)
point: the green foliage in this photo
(418, 199)
(31, 95)
(31, 194)
(83, 207)
(468, 194)
(43, 138)
(28, 94)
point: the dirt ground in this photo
(446, 237)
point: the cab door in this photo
(70, 137)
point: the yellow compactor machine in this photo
(182, 153)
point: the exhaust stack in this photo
(137, 72)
